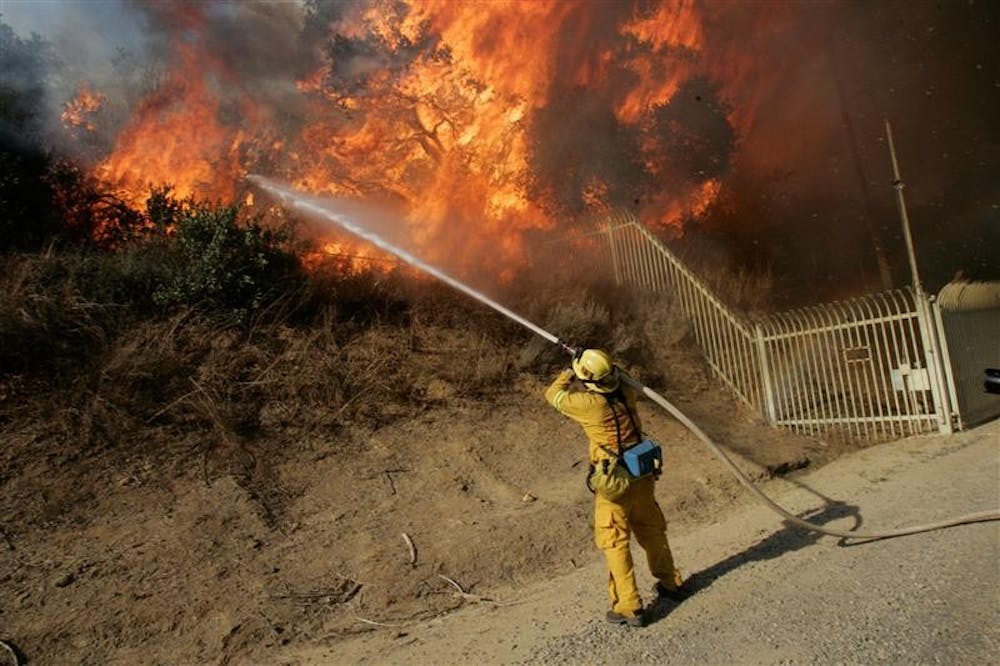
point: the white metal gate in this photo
(858, 365)
(868, 367)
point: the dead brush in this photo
(459, 350)
(579, 321)
(303, 387)
(753, 291)
(750, 291)
(115, 404)
(611, 319)
(215, 406)
(378, 377)
(45, 320)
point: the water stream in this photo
(326, 209)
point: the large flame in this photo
(176, 137)
(427, 105)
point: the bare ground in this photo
(766, 592)
(222, 558)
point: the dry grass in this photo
(92, 371)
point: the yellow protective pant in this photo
(614, 522)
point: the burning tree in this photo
(474, 121)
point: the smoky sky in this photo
(811, 188)
(786, 109)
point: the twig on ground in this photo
(388, 477)
(466, 595)
(14, 653)
(338, 594)
(456, 585)
(413, 549)
(347, 403)
(325, 597)
(374, 623)
(171, 405)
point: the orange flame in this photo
(176, 136)
(671, 211)
(670, 26)
(79, 111)
(445, 138)
(347, 257)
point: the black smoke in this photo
(810, 193)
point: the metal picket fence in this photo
(867, 368)
(638, 259)
(857, 365)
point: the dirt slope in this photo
(766, 594)
(206, 565)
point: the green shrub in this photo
(217, 263)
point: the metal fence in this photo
(869, 368)
(856, 365)
(727, 340)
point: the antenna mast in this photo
(897, 182)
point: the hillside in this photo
(177, 489)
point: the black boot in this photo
(637, 620)
(678, 594)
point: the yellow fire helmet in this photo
(595, 369)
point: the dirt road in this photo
(767, 594)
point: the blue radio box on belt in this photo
(644, 458)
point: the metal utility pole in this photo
(897, 183)
(936, 375)
(867, 211)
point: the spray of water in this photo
(326, 209)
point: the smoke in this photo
(810, 191)
(125, 51)
(757, 126)
(255, 47)
(65, 45)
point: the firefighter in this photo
(607, 412)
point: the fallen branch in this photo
(327, 597)
(374, 623)
(466, 595)
(14, 653)
(413, 549)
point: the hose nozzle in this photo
(570, 349)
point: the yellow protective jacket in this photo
(592, 411)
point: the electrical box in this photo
(906, 378)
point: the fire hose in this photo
(327, 210)
(789, 517)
